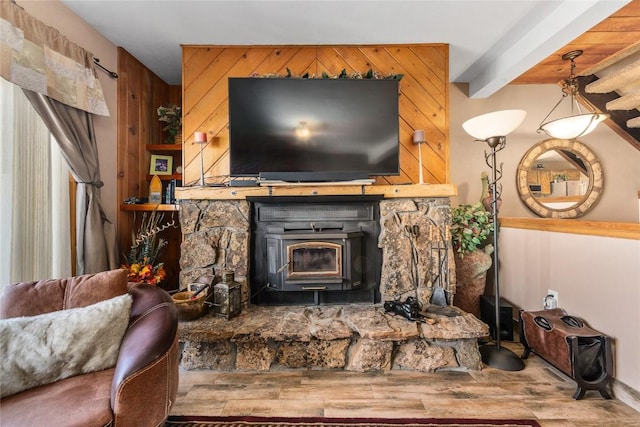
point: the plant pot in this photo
(471, 278)
(174, 139)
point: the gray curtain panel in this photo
(95, 232)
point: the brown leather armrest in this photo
(147, 364)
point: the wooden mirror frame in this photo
(594, 169)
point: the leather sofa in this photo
(138, 391)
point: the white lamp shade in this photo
(574, 126)
(498, 123)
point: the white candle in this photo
(200, 137)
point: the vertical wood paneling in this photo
(423, 100)
(140, 93)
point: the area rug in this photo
(197, 421)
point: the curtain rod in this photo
(111, 73)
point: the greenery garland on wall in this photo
(370, 74)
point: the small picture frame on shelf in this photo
(161, 165)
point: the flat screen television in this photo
(298, 129)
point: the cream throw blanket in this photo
(43, 349)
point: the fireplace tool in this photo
(439, 296)
(410, 309)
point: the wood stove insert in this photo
(319, 250)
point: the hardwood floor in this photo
(538, 392)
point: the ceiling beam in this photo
(543, 35)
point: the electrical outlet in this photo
(551, 299)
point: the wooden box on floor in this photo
(570, 345)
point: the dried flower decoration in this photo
(146, 245)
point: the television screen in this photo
(326, 127)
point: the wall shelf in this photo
(143, 207)
(163, 147)
(177, 176)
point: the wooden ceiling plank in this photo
(603, 37)
(614, 58)
(631, 9)
(617, 23)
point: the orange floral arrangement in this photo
(143, 272)
(142, 262)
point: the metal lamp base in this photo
(500, 358)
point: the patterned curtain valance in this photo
(37, 57)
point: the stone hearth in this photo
(350, 337)
(416, 259)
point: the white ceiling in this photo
(491, 42)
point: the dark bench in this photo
(570, 345)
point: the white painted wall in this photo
(597, 279)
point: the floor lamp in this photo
(492, 128)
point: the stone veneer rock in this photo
(416, 257)
(350, 337)
(217, 235)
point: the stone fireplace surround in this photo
(416, 258)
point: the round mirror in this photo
(559, 178)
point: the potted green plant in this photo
(471, 228)
(172, 115)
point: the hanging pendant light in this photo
(578, 123)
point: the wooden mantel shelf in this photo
(150, 207)
(388, 191)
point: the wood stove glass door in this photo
(314, 260)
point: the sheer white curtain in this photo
(34, 195)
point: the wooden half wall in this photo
(423, 100)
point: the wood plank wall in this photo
(140, 93)
(423, 101)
